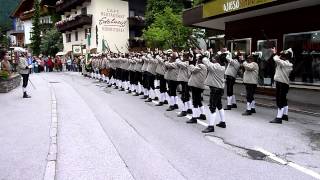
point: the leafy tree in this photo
(36, 30)
(51, 42)
(157, 6)
(167, 31)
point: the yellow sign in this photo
(217, 7)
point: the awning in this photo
(213, 15)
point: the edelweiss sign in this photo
(217, 7)
(113, 20)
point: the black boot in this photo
(253, 110)
(276, 121)
(156, 99)
(285, 118)
(25, 95)
(247, 113)
(222, 124)
(129, 92)
(160, 104)
(189, 111)
(136, 94)
(122, 89)
(109, 85)
(192, 121)
(202, 117)
(116, 87)
(209, 129)
(144, 97)
(234, 106)
(228, 107)
(165, 102)
(171, 108)
(176, 106)
(148, 100)
(141, 94)
(182, 114)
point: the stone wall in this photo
(10, 84)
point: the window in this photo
(243, 45)
(306, 49)
(76, 36)
(84, 11)
(68, 37)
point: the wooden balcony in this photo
(67, 5)
(137, 22)
(78, 22)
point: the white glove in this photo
(30, 66)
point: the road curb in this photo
(51, 164)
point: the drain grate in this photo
(54, 82)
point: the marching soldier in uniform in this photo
(160, 70)
(196, 82)
(138, 75)
(151, 73)
(250, 80)
(281, 77)
(172, 76)
(183, 78)
(215, 80)
(231, 74)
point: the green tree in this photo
(51, 42)
(36, 30)
(157, 6)
(167, 31)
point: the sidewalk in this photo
(24, 134)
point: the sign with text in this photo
(76, 49)
(113, 20)
(218, 7)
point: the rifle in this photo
(117, 48)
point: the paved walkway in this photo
(24, 132)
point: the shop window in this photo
(306, 48)
(68, 38)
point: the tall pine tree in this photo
(36, 31)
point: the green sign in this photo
(217, 7)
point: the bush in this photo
(4, 75)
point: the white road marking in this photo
(287, 163)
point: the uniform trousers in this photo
(131, 77)
(138, 78)
(282, 90)
(185, 93)
(250, 89)
(230, 81)
(125, 75)
(145, 79)
(172, 87)
(196, 97)
(150, 83)
(215, 99)
(163, 83)
(111, 73)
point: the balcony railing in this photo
(67, 5)
(77, 22)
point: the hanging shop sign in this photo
(76, 49)
(218, 7)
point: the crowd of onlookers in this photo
(44, 63)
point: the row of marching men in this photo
(156, 76)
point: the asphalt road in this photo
(107, 134)
(155, 144)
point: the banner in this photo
(218, 7)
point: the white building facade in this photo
(94, 25)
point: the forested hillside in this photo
(6, 7)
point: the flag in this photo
(104, 47)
